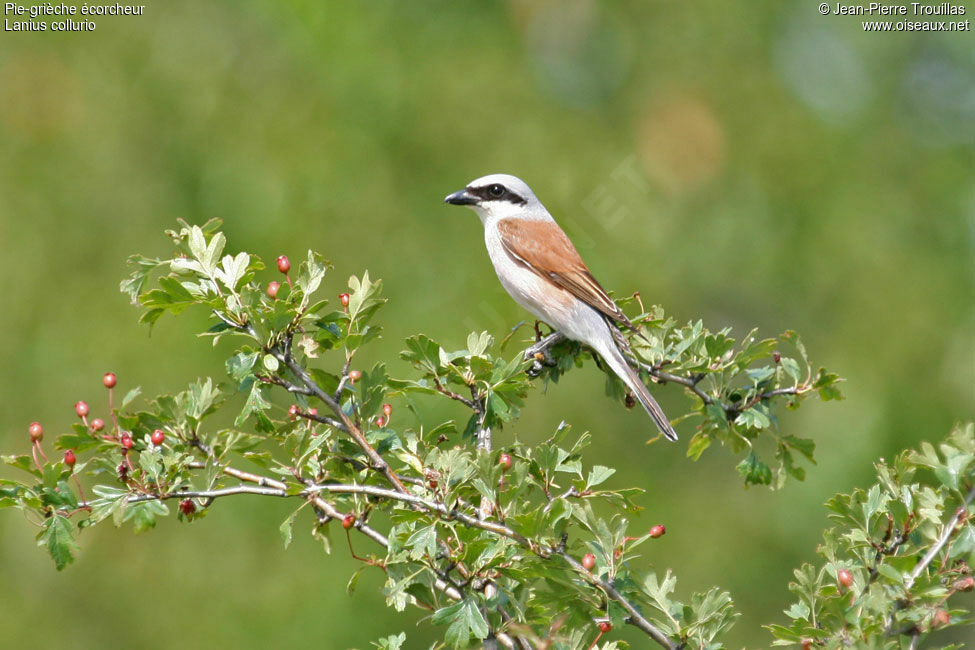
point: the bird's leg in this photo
(538, 353)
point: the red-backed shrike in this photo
(543, 272)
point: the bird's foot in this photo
(538, 353)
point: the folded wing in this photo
(544, 248)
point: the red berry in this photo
(109, 380)
(348, 521)
(588, 561)
(776, 357)
(433, 484)
(965, 584)
(293, 411)
(941, 617)
(355, 375)
(187, 507)
(272, 289)
(69, 458)
(657, 531)
(344, 299)
(605, 626)
(380, 422)
(158, 436)
(283, 264)
(97, 424)
(36, 432)
(845, 578)
(313, 411)
(123, 472)
(126, 440)
(505, 461)
(806, 644)
(81, 409)
(388, 409)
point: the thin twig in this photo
(635, 617)
(272, 487)
(377, 461)
(942, 540)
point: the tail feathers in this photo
(630, 377)
(650, 404)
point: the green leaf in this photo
(270, 363)
(465, 619)
(287, 526)
(212, 253)
(58, 537)
(423, 542)
(196, 242)
(791, 367)
(239, 366)
(753, 418)
(22, 462)
(233, 269)
(310, 275)
(143, 515)
(143, 267)
(477, 344)
(754, 471)
(804, 446)
(422, 352)
(697, 445)
(597, 475)
(255, 404)
(390, 642)
(111, 501)
(130, 396)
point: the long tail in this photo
(614, 358)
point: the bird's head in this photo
(498, 196)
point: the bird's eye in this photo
(496, 190)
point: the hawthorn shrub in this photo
(529, 547)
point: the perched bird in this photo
(543, 272)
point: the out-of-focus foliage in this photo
(744, 163)
(901, 552)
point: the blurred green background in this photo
(751, 164)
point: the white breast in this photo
(545, 301)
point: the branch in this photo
(538, 354)
(636, 618)
(267, 486)
(938, 545)
(275, 488)
(378, 462)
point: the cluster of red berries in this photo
(284, 265)
(82, 410)
(383, 419)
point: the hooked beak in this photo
(463, 197)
